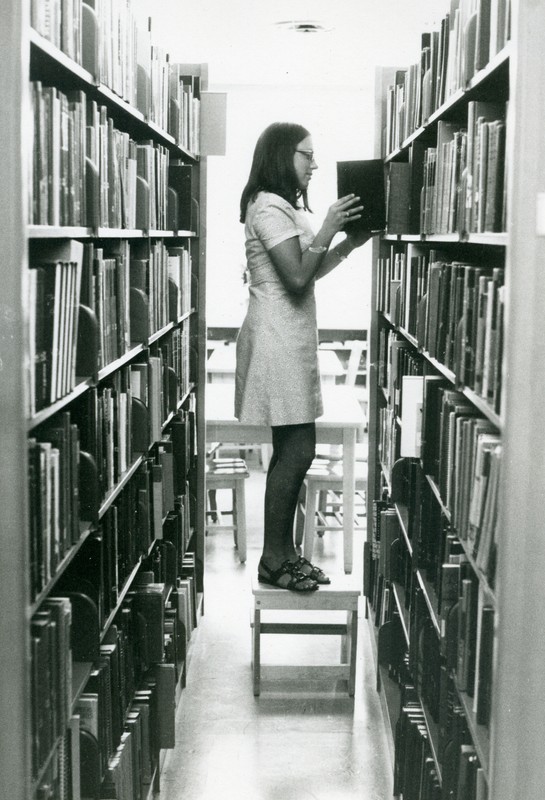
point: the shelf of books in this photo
(436, 400)
(107, 408)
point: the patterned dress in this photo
(277, 375)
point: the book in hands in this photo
(365, 179)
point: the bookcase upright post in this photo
(14, 639)
(198, 343)
(518, 767)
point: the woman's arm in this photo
(296, 269)
(341, 251)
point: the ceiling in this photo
(242, 43)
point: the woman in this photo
(277, 376)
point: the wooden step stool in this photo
(340, 595)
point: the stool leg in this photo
(257, 653)
(240, 502)
(310, 521)
(235, 515)
(344, 641)
(353, 644)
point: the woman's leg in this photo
(294, 448)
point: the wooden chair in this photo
(231, 474)
(340, 595)
(320, 506)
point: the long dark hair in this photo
(272, 167)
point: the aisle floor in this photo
(298, 739)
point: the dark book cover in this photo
(398, 197)
(484, 667)
(165, 675)
(366, 180)
(149, 602)
(180, 180)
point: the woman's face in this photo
(304, 163)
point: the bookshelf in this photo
(453, 570)
(103, 334)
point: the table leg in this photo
(349, 487)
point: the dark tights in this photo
(294, 448)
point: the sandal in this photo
(296, 577)
(314, 573)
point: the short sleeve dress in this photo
(277, 378)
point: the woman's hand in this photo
(342, 211)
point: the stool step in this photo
(340, 595)
(320, 628)
(306, 672)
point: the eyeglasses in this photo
(308, 154)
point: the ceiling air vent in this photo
(302, 26)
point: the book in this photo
(397, 197)
(485, 656)
(366, 180)
(411, 431)
(180, 182)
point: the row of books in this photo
(88, 305)
(468, 636)
(415, 771)
(457, 185)
(442, 666)
(160, 288)
(464, 650)
(435, 755)
(465, 459)
(126, 716)
(118, 50)
(122, 417)
(460, 453)
(148, 526)
(145, 649)
(469, 36)
(397, 358)
(51, 676)
(146, 644)
(184, 111)
(68, 483)
(87, 172)
(454, 311)
(60, 23)
(463, 179)
(54, 288)
(122, 543)
(60, 779)
(54, 496)
(462, 605)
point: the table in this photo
(220, 367)
(341, 423)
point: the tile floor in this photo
(298, 739)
